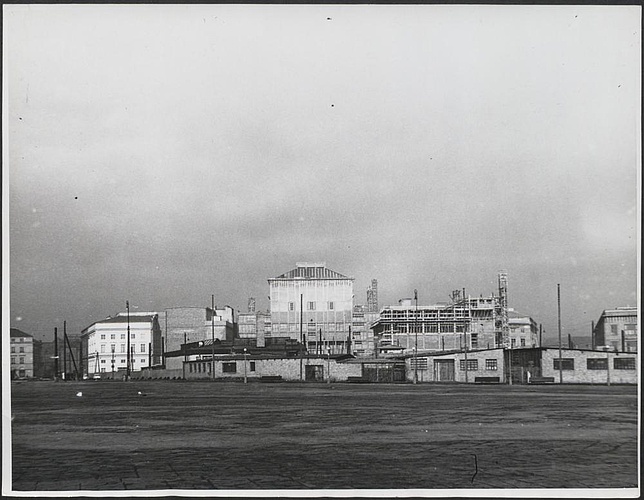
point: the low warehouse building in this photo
(486, 365)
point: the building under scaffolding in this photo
(467, 322)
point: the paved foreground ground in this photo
(209, 435)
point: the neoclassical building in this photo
(312, 304)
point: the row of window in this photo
(596, 364)
(123, 348)
(21, 349)
(473, 364)
(566, 364)
(311, 306)
(143, 360)
(13, 360)
(113, 336)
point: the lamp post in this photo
(416, 338)
(328, 365)
(127, 367)
(245, 377)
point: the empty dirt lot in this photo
(159, 435)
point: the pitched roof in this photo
(19, 333)
(305, 270)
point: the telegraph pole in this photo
(416, 339)
(301, 335)
(559, 327)
(127, 367)
(212, 322)
(64, 351)
(55, 353)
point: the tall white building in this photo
(105, 343)
(312, 304)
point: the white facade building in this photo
(105, 343)
(314, 302)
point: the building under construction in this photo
(464, 323)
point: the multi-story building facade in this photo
(314, 305)
(471, 322)
(617, 330)
(253, 325)
(197, 323)
(104, 343)
(24, 349)
(523, 330)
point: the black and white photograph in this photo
(328, 250)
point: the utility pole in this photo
(127, 367)
(185, 353)
(540, 342)
(592, 335)
(416, 339)
(64, 351)
(559, 327)
(301, 335)
(212, 323)
(55, 353)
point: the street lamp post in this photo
(127, 367)
(245, 377)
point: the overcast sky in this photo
(161, 153)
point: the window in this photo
(491, 364)
(112, 336)
(252, 366)
(291, 306)
(122, 336)
(122, 361)
(566, 363)
(513, 343)
(132, 336)
(102, 336)
(13, 349)
(229, 367)
(122, 347)
(190, 366)
(624, 363)
(102, 361)
(22, 360)
(22, 349)
(331, 306)
(522, 342)
(142, 347)
(472, 364)
(102, 348)
(597, 364)
(112, 347)
(13, 360)
(613, 329)
(310, 306)
(142, 360)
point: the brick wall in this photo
(426, 372)
(580, 374)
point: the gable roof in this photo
(19, 333)
(312, 271)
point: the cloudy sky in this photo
(161, 153)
